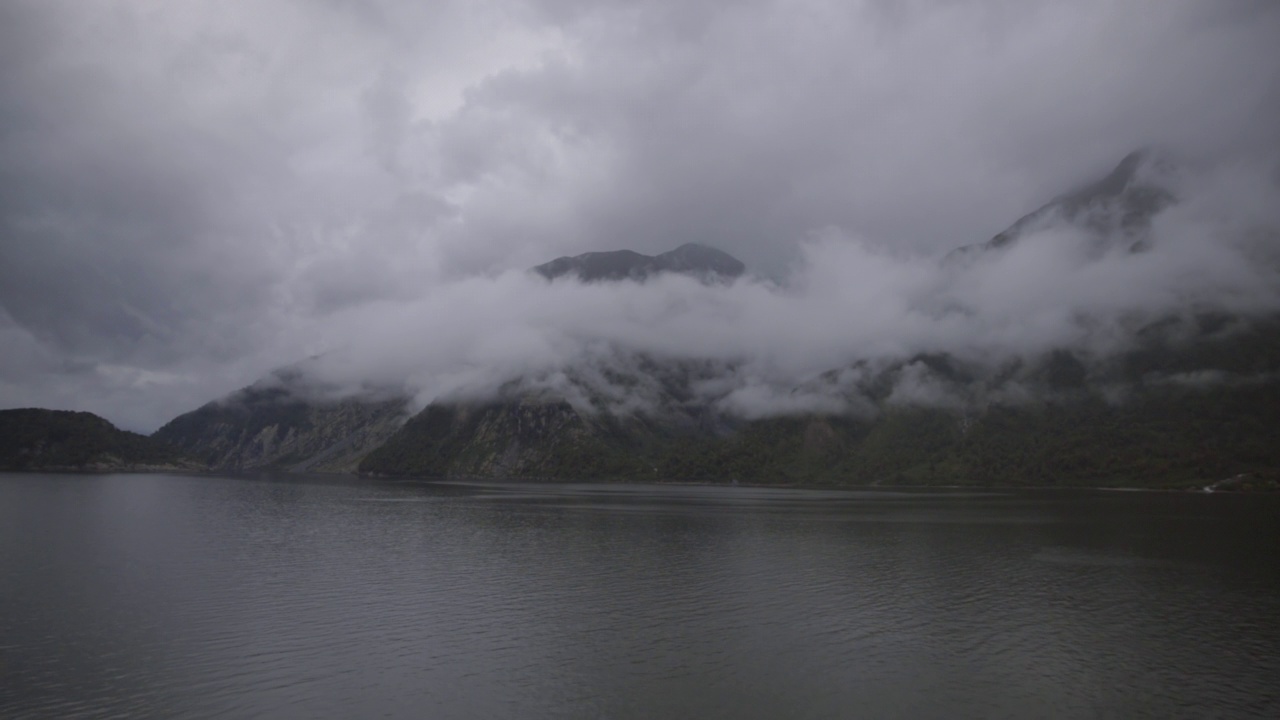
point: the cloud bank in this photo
(192, 194)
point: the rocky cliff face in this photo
(274, 425)
(511, 438)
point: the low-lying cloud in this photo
(192, 193)
(848, 303)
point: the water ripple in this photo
(234, 598)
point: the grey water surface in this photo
(163, 596)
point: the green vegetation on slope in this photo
(1168, 437)
(37, 439)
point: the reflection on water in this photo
(128, 596)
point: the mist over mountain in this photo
(1091, 274)
(1117, 208)
(1150, 294)
(286, 422)
(195, 197)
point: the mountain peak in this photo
(1136, 175)
(700, 261)
(1119, 205)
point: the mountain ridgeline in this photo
(1119, 207)
(34, 439)
(1193, 401)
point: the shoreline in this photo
(1212, 488)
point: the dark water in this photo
(157, 596)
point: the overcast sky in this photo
(193, 192)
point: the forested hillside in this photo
(37, 439)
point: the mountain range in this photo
(1193, 401)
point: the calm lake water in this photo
(167, 596)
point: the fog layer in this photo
(193, 193)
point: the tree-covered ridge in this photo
(1180, 437)
(38, 439)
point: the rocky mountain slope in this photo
(282, 423)
(60, 440)
(1117, 208)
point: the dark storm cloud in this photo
(194, 192)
